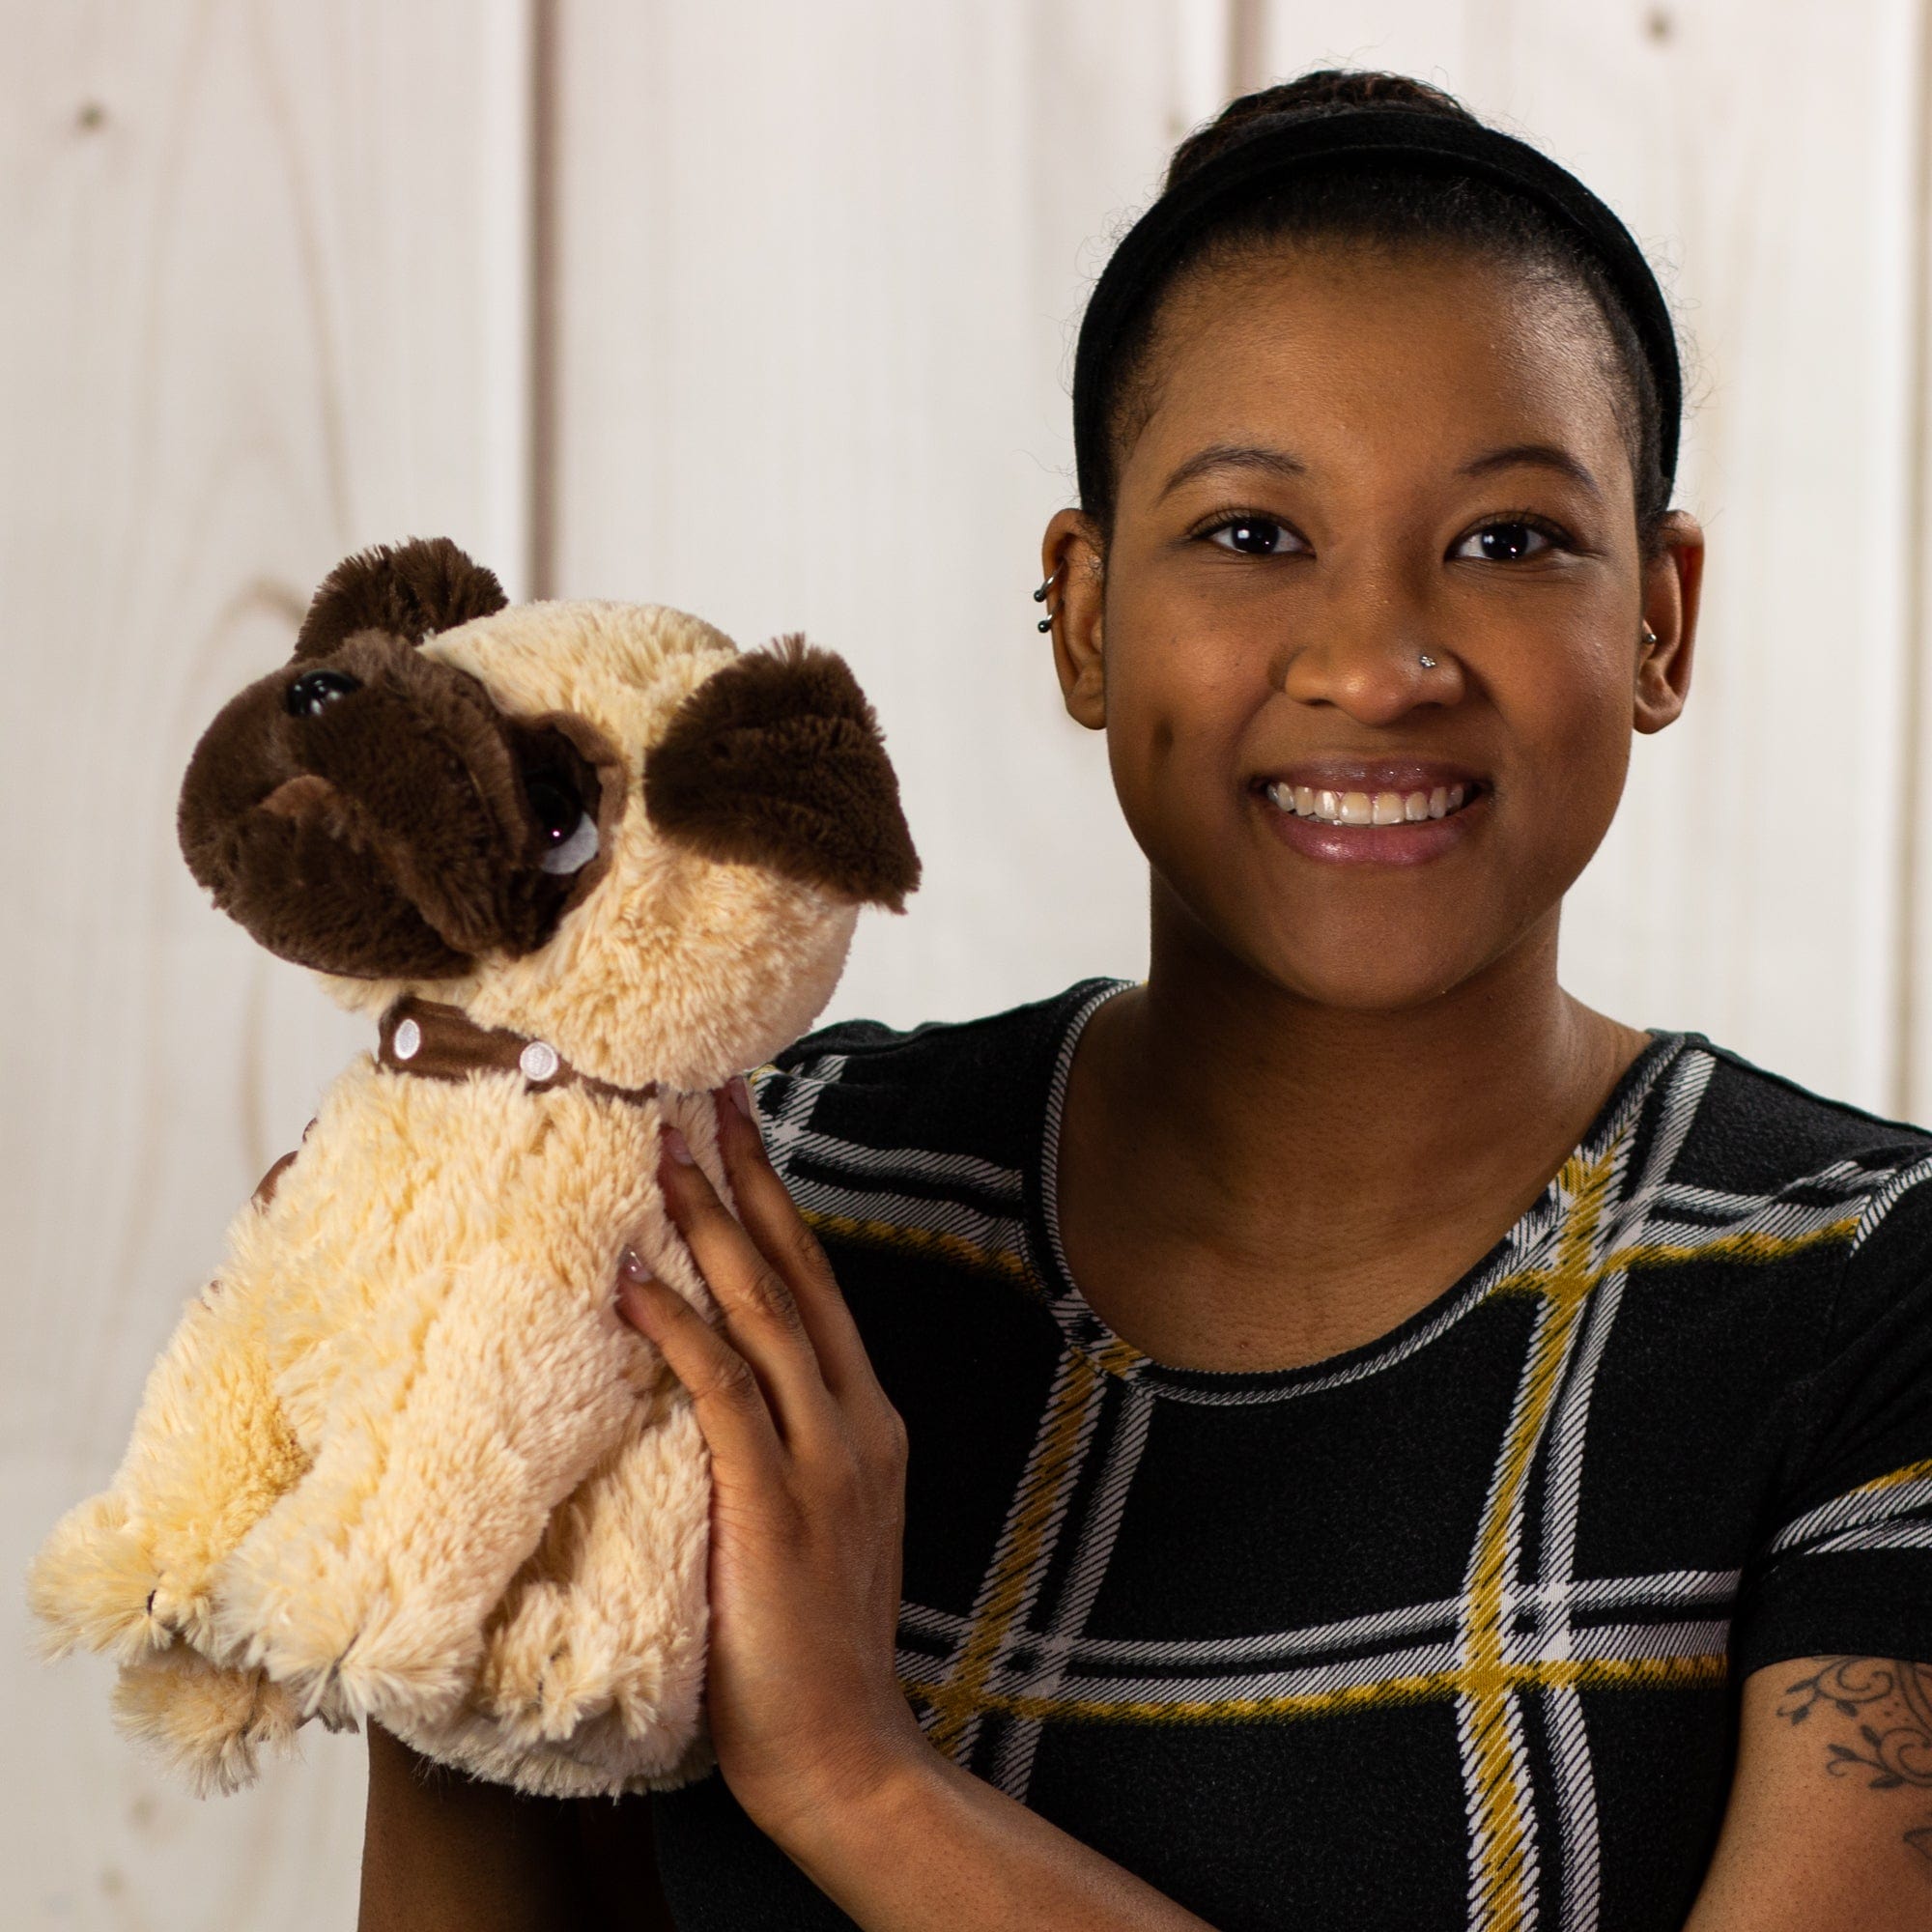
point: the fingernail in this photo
(741, 1095)
(631, 1266)
(676, 1145)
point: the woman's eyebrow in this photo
(1232, 456)
(1545, 455)
(1279, 462)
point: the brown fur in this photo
(408, 590)
(390, 834)
(777, 761)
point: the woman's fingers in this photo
(760, 1314)
(771, 1218)
(731, 1406)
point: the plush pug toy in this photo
(402, 1460)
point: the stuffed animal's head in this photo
(601, 824)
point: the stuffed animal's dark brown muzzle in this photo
(371, 812)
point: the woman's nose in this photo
(1373, 663)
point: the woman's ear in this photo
(1671, 589)
(1073, 561)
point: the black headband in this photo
(1269, 149)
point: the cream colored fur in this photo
(402, 1459)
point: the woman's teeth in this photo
(1362, 808)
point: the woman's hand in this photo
(808, 1469)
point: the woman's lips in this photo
(1409, 842)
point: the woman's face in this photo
(1334, 481)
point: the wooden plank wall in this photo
(768, 310)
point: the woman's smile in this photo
(1372, 816)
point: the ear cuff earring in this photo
(1039, 597)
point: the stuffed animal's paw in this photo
(347, 1657)
(94, 1583)
(208, 1724)
(551, 1666)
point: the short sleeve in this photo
(1846, 1568)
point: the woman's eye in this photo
(1251, 536)
(1514, 541)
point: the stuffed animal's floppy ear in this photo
(410, 590)
(777, 759)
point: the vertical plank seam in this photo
(541, 483)
(1247, 37)
(1908, 1090)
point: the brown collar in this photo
(442, 1043)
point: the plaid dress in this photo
(1445, 1630)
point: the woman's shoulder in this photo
(1753, 1163)
(1745, 1128)
(999, 1033)
(970, 1088)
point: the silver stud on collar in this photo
(407, 1040)
(538, 1060)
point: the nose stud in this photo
(1427, 662)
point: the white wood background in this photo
(767, 310)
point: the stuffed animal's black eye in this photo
(557, 807)
(315, 689)
(570, 833)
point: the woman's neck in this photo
(1356, 1159)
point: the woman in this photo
(1340, 1433)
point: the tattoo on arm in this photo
(1891, 1701)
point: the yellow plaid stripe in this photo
(1502, 1831)
(1021, 1550)
(1747, 1246)
(1432, 1687)
(1011, 1265)
(1891, 1479)
(968, 1254)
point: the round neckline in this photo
(1086, 1330)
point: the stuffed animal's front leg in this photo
(470, 1405)
(593, 1669)
(600, 1650)
(129, 1569)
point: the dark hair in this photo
(1387, 202)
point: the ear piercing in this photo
(1039, 597)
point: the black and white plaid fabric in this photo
(1443, 1631)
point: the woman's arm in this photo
(1827, 1828)
(932, 1848)
(444, 1852)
